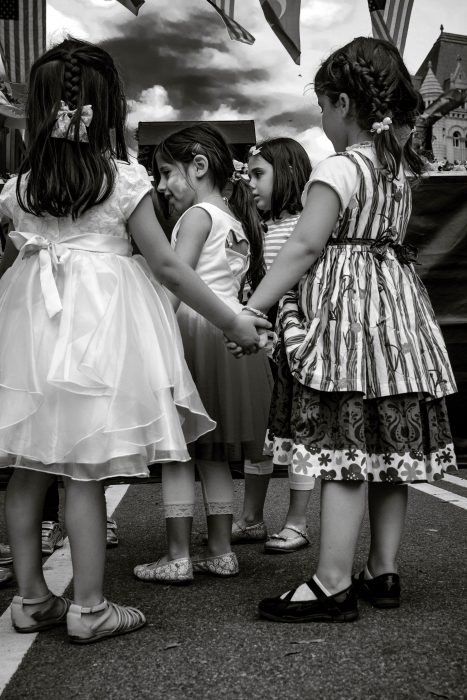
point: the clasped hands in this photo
(247, 334)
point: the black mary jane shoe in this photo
(340, 607)
(381, 591)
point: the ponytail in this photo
(242, 205)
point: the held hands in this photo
(247, 334)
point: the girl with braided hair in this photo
(89, 389)
(365, 372)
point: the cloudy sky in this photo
(178, 62)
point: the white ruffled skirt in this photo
(100, 389)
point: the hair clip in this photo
(254, 151)
(378, 127)
(62, 128)
(240, 171)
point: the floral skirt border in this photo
(342, 436)
(356, 465)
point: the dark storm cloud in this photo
(300, 119)
(166, 53)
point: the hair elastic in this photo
(384, 125)
(240, 171)
(62, 128)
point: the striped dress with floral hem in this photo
(363, 368)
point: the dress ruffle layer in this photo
(101, 389)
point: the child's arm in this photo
(303, 248)
(192, 234)
(183, 281)
(9, 256)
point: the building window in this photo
(456, 139)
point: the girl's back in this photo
(108, 218)
(368, 323)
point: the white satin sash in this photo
(52, 254)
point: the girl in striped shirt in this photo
(279, 169)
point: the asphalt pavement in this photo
(205, 641)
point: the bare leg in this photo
(178, 493)
(85, 518)
(217, 484)
(23, 508)
(342, 510)
(256, 487)
(296, 515)
(387, 505)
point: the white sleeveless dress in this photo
(93, 382)
(236, 393)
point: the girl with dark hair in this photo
(366, 370)
(279, 169)
(222, 240)
(89, 389)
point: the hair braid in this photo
(72, 80)
(373, 75)
(374, 87)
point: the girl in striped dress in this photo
(366, 371)
(279, 169)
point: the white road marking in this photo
(58, 574)
(455, 480)
(448, 496)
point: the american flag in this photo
(22, 40)
(226, 10)
(390, 20)
(132, 5)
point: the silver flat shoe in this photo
(249, 533)
(284, 544)
(223, 565)
(175, 572)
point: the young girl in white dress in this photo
(366, 370)
(222, 241)
(93, 383)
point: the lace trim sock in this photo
(217, 508)
(179, 510)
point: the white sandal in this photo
(41, 618)
(85, 627)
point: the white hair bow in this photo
(62, 128)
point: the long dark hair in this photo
(68, 176)
(291, 171)
(372, 73)
(204, 139)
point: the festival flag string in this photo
(22, 36)
(226, 9)
(132, 5)
(390, 20)
(284, 18)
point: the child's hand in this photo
(237, 350)
(246, 332)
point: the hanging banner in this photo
(226, 9)
(390, 20)
(284, 18)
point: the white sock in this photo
(304, 592)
